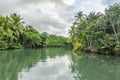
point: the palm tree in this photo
(113, 26)
(16, 25)
(79, 16)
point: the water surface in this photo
(57, 64)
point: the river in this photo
(57, 64)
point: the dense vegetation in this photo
(14, 34)
(97, 32)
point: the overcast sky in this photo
(52, 16)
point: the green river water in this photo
(57, 64)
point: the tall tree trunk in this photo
(112, 23)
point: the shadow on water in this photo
(12, 62)
(96, 67)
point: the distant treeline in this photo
(97, 32)
(14, 35)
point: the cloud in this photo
(69, 2)
(88, 6)
(49, 17)
(52, 16)
(110, 2)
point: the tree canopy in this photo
(97, 32)
(14, 35)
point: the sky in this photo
(52, 16)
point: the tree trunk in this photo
(112, 23)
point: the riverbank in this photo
(15, 35)
(102, 51)
(97, 32)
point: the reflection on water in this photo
(53, 69)
(96, 67)
(35, 64)
(57, 64)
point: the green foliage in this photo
(96, 31)
(55, 41)
(117, 48)
(14, 35)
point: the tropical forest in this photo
(60, 40)
(97, 32)
(15, 35)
